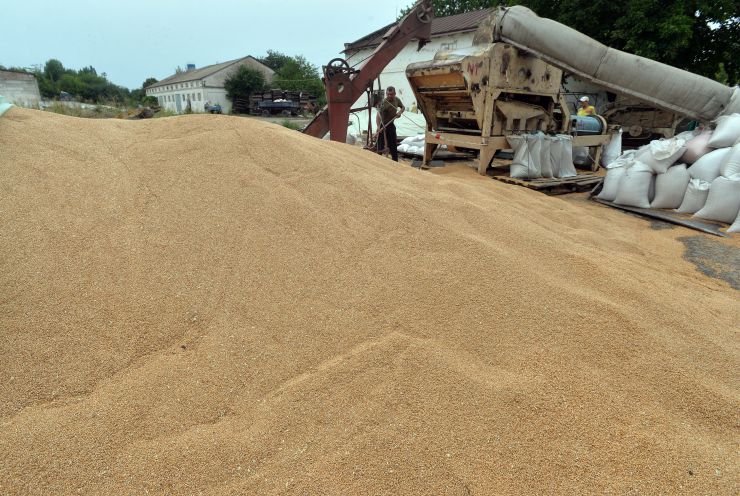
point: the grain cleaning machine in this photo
(474, 98)
(510, 81)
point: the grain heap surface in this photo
(214, 305)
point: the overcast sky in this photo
(135, 39)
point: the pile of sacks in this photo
(538, 155)
(413, 145)
(694, 173)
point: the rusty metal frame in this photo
(345, 85)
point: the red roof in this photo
(459, 23)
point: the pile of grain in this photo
(215, 305)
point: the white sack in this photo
(634, 186)
(556, 154)
(564, 167)
(614, 175)
(707, 167)
(414, 140)
(731, 164)
(723, 202)
(695, 196)
(670, 187)
(403, 147)
(526, 163)
(661, 154)
(546, 165)
(697, 147)
(627, 159)
(735, 227)
(581, 156)
(415, 150)
(688, 135)
(726, 132)
(613, 149)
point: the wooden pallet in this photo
(443, 155)
(556, 186)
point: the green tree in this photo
(695, 35)
(71, 84)
(138, 96)
(85, 84)
(243, 83)
(444, 8)
(53, 70)
(274, 59)
(148, 82)
(296, 74)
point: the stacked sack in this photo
(413, 145)
(538, 155)
(695, 173)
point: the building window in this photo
(199, 96)
(449, 46)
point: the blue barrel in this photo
(587, 125)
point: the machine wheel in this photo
(424, 15)
(335, 66)
(265, 113)
(286, 113)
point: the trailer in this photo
(286, 108)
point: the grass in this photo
(100, 111)
(164, 113)
(97, 112)
(292, 125)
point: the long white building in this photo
(194, 87)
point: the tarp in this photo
(652, 82)
(4, 105)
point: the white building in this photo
(195, 87)
(20, 88)
(448, 33)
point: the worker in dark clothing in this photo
(388, 110)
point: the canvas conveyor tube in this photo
(652, 82)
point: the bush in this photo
(243, 83)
